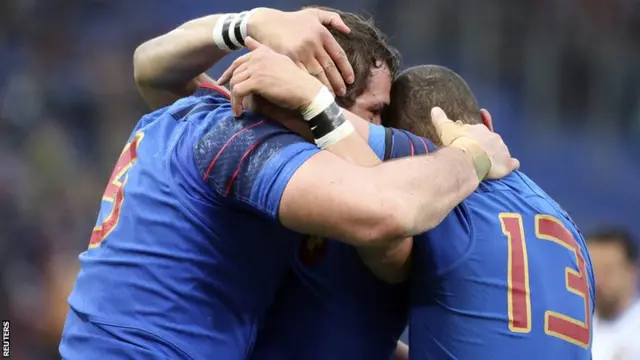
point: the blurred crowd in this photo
(563, 77)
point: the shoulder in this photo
(249, 159)
(230, 142)
(401, 143)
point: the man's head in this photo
(614, 255)
(418, 89)
(375, 63)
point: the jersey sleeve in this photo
(390, 143)
(250, 160)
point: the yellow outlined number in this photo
(518, 294)
(114, 192)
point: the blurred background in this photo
(561, 78)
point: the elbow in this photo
(140, 73)
(400, 217)
(387, 222)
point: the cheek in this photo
(362, 112)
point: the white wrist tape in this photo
(336, 135)
(325, 118)
(230, 30)
(323, 99)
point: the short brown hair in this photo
(416, 90)
(366, 48)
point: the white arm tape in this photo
(240, 20)
(217, 32)
(245, 23)
(336, 135)
(323, 99)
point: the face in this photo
(615, 277)
(375, 98)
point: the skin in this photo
(370, 104)
(411, 204)
(616, 279)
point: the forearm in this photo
(389, 262)
(427, 186)
(355, 150)
(402, 352)
(361, 125)
(172, 60)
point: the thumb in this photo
(439, 118)
(251, 43)
(447, 130)
(332, 19)
(514, 164)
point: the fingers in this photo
(238, 93)
(331, 72)
(332, 19)
(236, 104)
(241, 75)
(226, 76)
(315, 69)
(251, 43)
(341, 68)
(438, 116)
(240, 86)
(439, 119)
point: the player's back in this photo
(505, 276)
(174, 269)
(332, 307)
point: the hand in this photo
(273, 76)
(502, 164)
(303, 36)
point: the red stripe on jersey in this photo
(235, 174)
(216, 88)
(206, 174)
(426, 149)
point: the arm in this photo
(402, 352)
(171, 66)
(327, 196)
(367, 206)
(278, 174)
(389, 262)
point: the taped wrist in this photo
(231, 30)
(479, 156)
(325, 119)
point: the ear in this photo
(486, 119)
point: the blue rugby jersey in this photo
(187, 252)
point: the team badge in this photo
(312, 249)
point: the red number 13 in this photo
(519, 296)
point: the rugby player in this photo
(323, 309)
(173, 269)
(507, 274)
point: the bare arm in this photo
(169, 67)
(402, 352)
(368, 206)
(330, 197)
(389, 262)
